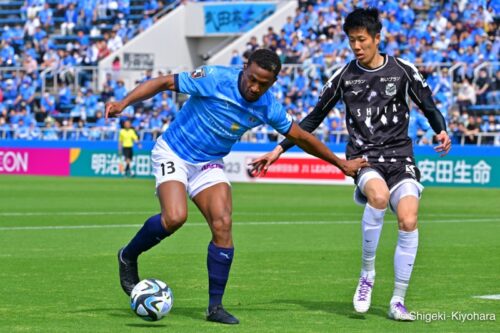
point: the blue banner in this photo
(235, 18)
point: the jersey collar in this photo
(386, 60)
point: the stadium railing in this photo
(104, 134)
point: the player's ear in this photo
(377, 39)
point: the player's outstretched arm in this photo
(311, 145)
(142, 92)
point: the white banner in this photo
(296, 168)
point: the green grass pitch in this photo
(296, 264)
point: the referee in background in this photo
(126, 145)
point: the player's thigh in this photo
(377, 192)
(173, 203)
(407, 212)
(215, 203)
(404, 201)
(171, 175)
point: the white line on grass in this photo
(235, 213)
(249, 223)
(495, 297)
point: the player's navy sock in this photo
(219, 261)
(151, 233)
(371, 226)
(404, 258)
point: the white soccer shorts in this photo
(196, 177)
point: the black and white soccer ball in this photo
(151, 299)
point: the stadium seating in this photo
(311, 45)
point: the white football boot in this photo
(398, 311)
(363, 295)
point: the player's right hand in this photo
(113, 109)
(261, 164)
(351, 167)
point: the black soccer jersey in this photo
(377, 108)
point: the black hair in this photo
(266, 59)
(363, 18)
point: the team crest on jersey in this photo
(235, 127)
(390, 89)
(199, 73)
(371, 95)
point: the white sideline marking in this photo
(422, 215)
(495, 297)
(249, 223)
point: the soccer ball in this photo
(151, 299)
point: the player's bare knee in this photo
(222, 226)
(407, 222)
(173, 220)
(379, 200)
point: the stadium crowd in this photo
(64, 34)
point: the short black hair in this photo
(266, 59)
(363, 18)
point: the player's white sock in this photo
(371, 226)
(404, 258)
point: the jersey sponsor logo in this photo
(390, 89)
(356, 92)
(354, 82)
(209, 166)
(198, 73)
(390, 79)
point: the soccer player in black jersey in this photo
(376, 89)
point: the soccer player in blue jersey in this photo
(225, 102)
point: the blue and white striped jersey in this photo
(216, 115)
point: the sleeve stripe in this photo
(408, 76)
(340, 71)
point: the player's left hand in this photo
(445, 143)
(261, 164)
(114, 109)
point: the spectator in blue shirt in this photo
(289, 27)
(65, 96)
(150, 7)
(70, 20)
(10, 92)
(26, 94)
(46, 17)
(51, 131)
(47, 104)
(236, 59)
(120, 91)
(7, 54)
(21, 130)
(145, 23)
